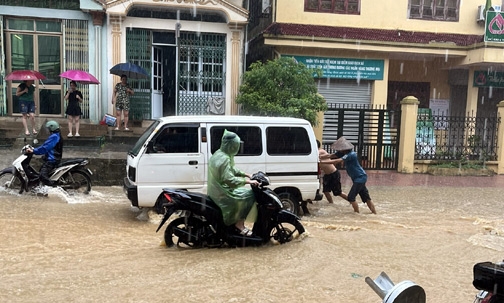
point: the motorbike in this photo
(489, 280)
(71, 175)
(200, 222)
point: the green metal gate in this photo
(202, 75)
(374, 132)
(138, 51)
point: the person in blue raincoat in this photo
(226, 185)
(52, 149)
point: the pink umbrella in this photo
(24, 75)
(80, 76)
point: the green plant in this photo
(282, 87)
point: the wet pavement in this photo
(393, 178)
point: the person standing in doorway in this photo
(25, 92)
(121, 98)
(73, 111)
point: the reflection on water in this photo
(97, 248)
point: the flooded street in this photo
(97, 248)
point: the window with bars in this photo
(443, 10)
(351, 7)
(202, 64)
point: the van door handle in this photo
(193, 162)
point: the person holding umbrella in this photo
(25, 92)
(120, 98)
(73, 111)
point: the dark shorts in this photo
(361, 190)
(332, 183)
(26, 107)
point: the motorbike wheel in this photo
(11, 183)
(289, 202)
(185, 232)
(76, 182)
(285, 231)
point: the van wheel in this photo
(290, 202)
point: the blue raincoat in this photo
(226, 183)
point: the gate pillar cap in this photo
(410, 100)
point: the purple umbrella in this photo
(25, 75)
(80, 76)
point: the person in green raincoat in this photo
(226, 184)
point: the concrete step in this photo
(92, 135)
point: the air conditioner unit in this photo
(481, 12)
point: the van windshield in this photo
(141, 141)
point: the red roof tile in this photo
(352, 33)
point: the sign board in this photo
(344, 68)
(487, 79)
(440, 110)
(494, 27)
(439, 107)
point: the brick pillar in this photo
(500, 138)
(409, 111)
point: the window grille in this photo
(201, 71)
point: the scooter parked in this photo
(201, 225)
(71, 175)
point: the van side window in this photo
(287, 141)
(179, 139)
(249, 135)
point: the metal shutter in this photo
(348, 94)
(345, 91)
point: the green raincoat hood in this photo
(230, 143)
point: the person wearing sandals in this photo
(25, 92)
(121, 98)
(73, 111)
(226, 185)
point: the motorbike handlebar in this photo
(262, 178)
(27, 146)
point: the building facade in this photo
(193, 51)
(378, 53)
(50, 37)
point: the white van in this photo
(174, 152)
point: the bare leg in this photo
(25, 124)
(355, 206)
(370, 204)
(328, 197)
(32, 118)
(70, 124)
(77, 124)
(118, 121)
(240, 224)
(344, 196)
(126, 117)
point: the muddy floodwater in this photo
(97, 248)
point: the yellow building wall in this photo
(422, 71)
(383, 14)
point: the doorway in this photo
(164, 74)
